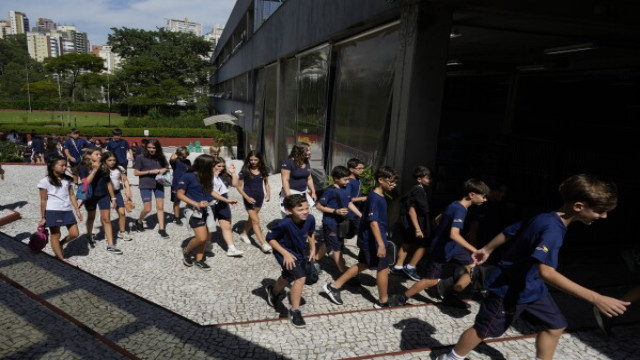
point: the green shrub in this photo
(54, 106)
(106, 131)
(9, 152)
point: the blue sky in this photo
(96, 17)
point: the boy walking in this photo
(517, 286)
(372, 241)
(120, 147)
(356, 168)
(448, 246)
(288, 238)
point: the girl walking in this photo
(296, 175)
(119, 181)
(252, 178)
(179, 165)
(57, 203)
(222, 179)
(151, 163)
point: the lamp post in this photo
(108, 98)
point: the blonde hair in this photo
(214, 150)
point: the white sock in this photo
(410, 267)
(454, 356)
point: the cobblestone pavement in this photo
(147, 304)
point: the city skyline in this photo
(97, 18)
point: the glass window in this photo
(270, 104)
(288, 105)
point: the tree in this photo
(70, 66)
(44, 90)
(160, 67)
(14, 64)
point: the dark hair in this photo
(224, 175)
(353, 163)
(85, 161)
(340, 172)
(597, 194)
(53, 178)
(298, 154)
(386, 172)
(421, 171)
(474, 185)
(203, 167)
(293, 201)
(116, 132)
(159, 155)
(262, 167)
(74, 131)
(103, 160)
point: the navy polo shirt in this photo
(99, 183)
(120, 149)
(354, 188)
(179, 168)
(537, 241)
(75, 147)
(192, 188)
(298, 176)
(330, 200)
(292, 236)
(375, 209)
(443, 248)
(38, 145)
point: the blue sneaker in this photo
(412, 273)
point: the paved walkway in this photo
(146, 304)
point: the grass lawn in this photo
(78, 119)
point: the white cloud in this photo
(98, 16)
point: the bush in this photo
(54, 105)
(9, 152)
(106, 131)
(188, 119)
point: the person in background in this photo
(72, 150)
(179, 164)
(296, 175)
(119, 146)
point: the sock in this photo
(454, 356)
(410, 267)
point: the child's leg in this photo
(382, 280)
(467, 342)
(72, 235)
(419, 286)
(296, 292)
(176, 209)
(321, 251)
(105, 219)
(91, 217)
(254, 222)
(417, 256)
(546, 343)
(160, 212)
(198, 242)
(281, 283)
(146, 209)
(349, 274)
(339, 260)
(227, 234)
(403, 251)
(122, 219)
(464, 280)
(54, 238)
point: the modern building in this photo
(19, 22)
(214, 35)
(5, 28)
(184, 26)
(44, 25)
(74, 41)
(523, 93)
(111, 59)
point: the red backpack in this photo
(38, 240)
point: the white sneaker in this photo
(234, 252)
(266, 248)
(124, 236)
(245, 238)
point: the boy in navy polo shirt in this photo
(356, 168)
(288, 238)
(120, 147)
(517, 286)
(372, 240)
(335, 204)
(449, 246)
(72, 149)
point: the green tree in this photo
(14, 64)
(43, 90)
(69, 67)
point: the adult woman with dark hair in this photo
(296, 175)
(152, 162)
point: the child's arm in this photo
(455, 236)
(216, 195)
(605, 304)
(112, 194)
(234, 176)
(482, 255)
(353, 208)
(312, 188)
(267, 189)
(43, 206)
(375, 230)
(127, 187)
(289, 260)
(285, 174)
(182, 196)
(413, 216)
(312, 247)
(74, 203)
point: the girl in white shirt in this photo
(57, 203)
(119, 180)
(222, 179)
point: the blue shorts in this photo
(493, 319)
(158, 192)
(222, 210)
(434, 268)
(369, 256)
(103, 202)
(119, 199)
(195, 222)
(174, 194)
(296, 273)
(59, 218)
(330, 235)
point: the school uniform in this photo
(355, 190)
(147, 183)
(115, 175)
(58, 211)
(100, 193)
(293, 237)
(416, 198)
(179, 168)
(221, 209)
(330, 221)
(253, 187)
(120, 149)
(515, 287)
(193, 190)
(75, 149)
(375, 209)
(443, 249)
(298, 181)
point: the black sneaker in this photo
(179, 222)
(398, 300)
(163, 233)
(114, 250)
(202, 265)
(139, 226)
(443, 288)
(296, 318)
(379, 305)
(271, 298)
(333, 293)
(454, 301)
(187, 259)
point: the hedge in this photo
(54, 105)
(106, 131)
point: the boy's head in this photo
(182, 152)
(116, 133)
(475, 190)
(74, 133)
(340, 175)
(297, 207)
(589, 196)
(387, 178)
(355, 166)
(422, 174)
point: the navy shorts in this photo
(434, 268)
(158, 192)
(296, 273)
(330, 235)
(103, 202)
(174, 194)
(493, 319)
(368, 255)
(195, 222)
(222, 210)
(59, 218)
(355, 224)
(119, 199)
(259, 198)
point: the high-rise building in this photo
(42, 45)
(111, 59)
(73, 41)
(214, 35)
(44, 25)
(184, 26)
(19, 22)
(5, 28)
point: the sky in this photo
(97, 17)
